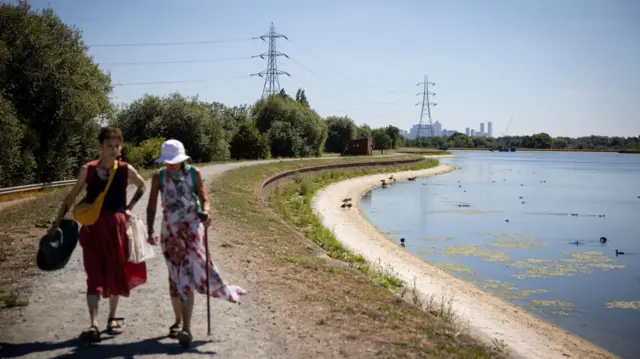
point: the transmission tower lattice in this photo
(425, 106)
(271, 81)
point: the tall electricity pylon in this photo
(271, 81)
(425, 105)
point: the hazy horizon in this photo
(565, 68)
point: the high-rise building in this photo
(467, 131)
(481, 128)
(489, 129)
(473, 132)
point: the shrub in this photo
(249, 143)
(144, 155)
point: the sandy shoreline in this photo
(488, 316)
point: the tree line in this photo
(54, 98)
(535, 141)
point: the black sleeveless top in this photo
(116, 198)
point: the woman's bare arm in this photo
(136, 179)
(153, 202)
(71, 197)
(202, 193)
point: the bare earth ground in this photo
(488, 316)
(56, 314)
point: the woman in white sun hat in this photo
(185, 218)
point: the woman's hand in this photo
(205, 218)
(53, 229)
(153, 238)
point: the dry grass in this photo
(22, 225)
(363, 309)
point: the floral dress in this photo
(182, 242)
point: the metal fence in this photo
(35, 187)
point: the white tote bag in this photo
(139, 248)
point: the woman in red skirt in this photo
(105, 249)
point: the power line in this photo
(174, 62)
(144, 44)
(271, 80)
(337, 83)
(339, 73)
(204, 79)
(426, 105)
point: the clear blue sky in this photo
(566, 67)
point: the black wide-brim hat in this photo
(54, 251)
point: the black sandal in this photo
(174, 330)
(91, 336)
(114, 329)
(185, 338)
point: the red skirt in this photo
(105, 253)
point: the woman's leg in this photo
(177, 310)
(187, 311)
(185, 336)
(113, 305)
(93, 304)
(176, 305)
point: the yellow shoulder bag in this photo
(88, 213)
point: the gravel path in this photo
(49, 326)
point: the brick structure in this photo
(360, 147)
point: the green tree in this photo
(364, 131)
(249, 143)
(301, 97)
(394, 134)
(381, 139)
(55, 89)
(195, 123)
(16, 167)
(459, 140)
(541, 140)
(560, 143)
(340, 131)
(293, 130)
(479, 142)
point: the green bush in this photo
(144, 155)
(249, 143)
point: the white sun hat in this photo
(172, 152)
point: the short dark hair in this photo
(110, 132)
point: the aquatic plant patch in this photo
(512, 240)
(623, 305)
(578, 263)
(554, 307)
(472, 250)
(452, 267)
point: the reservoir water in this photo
(527, 226)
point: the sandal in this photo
(174, 330)
(114, 328)
(185, 338)
(91, 336)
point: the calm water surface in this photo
(548, 257)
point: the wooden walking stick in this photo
(206, 249)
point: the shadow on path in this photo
(102, 350)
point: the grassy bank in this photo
(630, 150)
(362, 306)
